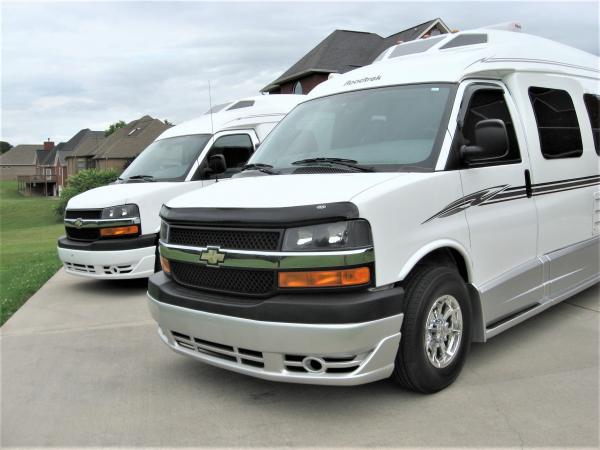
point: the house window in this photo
(81, 164)
(298, 88)
(592, 104)
(557, 123)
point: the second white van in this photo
(112, 231)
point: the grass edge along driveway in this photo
(29, 228)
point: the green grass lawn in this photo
(29, 228)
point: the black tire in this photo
(413, 370)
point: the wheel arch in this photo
(444, 251)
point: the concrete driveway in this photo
(82, 366)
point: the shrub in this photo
(81, 182)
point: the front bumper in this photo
(350, 353)
(81, 258)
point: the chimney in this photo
(48, 145)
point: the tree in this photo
(82, 181)
(4, 147)
(114, 127)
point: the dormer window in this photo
(298, 88)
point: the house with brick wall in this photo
(121, 147)
(52, 164)
(19, 160)
(80, 150)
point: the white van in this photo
(437, 197)
(111, 231)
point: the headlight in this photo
(163, 211)
(327, 237)
(120, 212)
(164, 230)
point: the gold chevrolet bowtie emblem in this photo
(212, 257)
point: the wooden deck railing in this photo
(37, 184)
(37, 178)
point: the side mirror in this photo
(491, 142)
(216, 164)
(256, 146)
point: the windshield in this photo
(386, 129)
(167, 159)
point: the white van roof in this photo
(484, 52)
(246, 112)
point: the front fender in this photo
(417, 256)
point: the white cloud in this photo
(60, 101)
(67, 66)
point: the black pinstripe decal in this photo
(506, 193)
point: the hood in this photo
(282, 190)
(119, 194)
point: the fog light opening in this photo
(313, 364)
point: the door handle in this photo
(528, 188)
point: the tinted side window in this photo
(236, 148)
(490, 104)
(592, 103)
(557, 123)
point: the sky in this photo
(71, 65)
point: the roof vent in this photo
(241, 104)
(415, 46)
(215, 109)
(466, 39)
(505, 26)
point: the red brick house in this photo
(51, 168)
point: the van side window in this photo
(490, 104)
(592, 104)
(236, 148)
(557, 123)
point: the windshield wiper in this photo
(265, 168)
(142, 177)
(336, 161)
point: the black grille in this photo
(83, 214)
(225, 238)
(83, 234)
(238, 281)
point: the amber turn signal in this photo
(165, 264)
(119, 231)
(325, 278)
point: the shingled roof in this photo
(21, 155)
(129, 141)
(46, 157)
(344, 50)
(85, 143)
